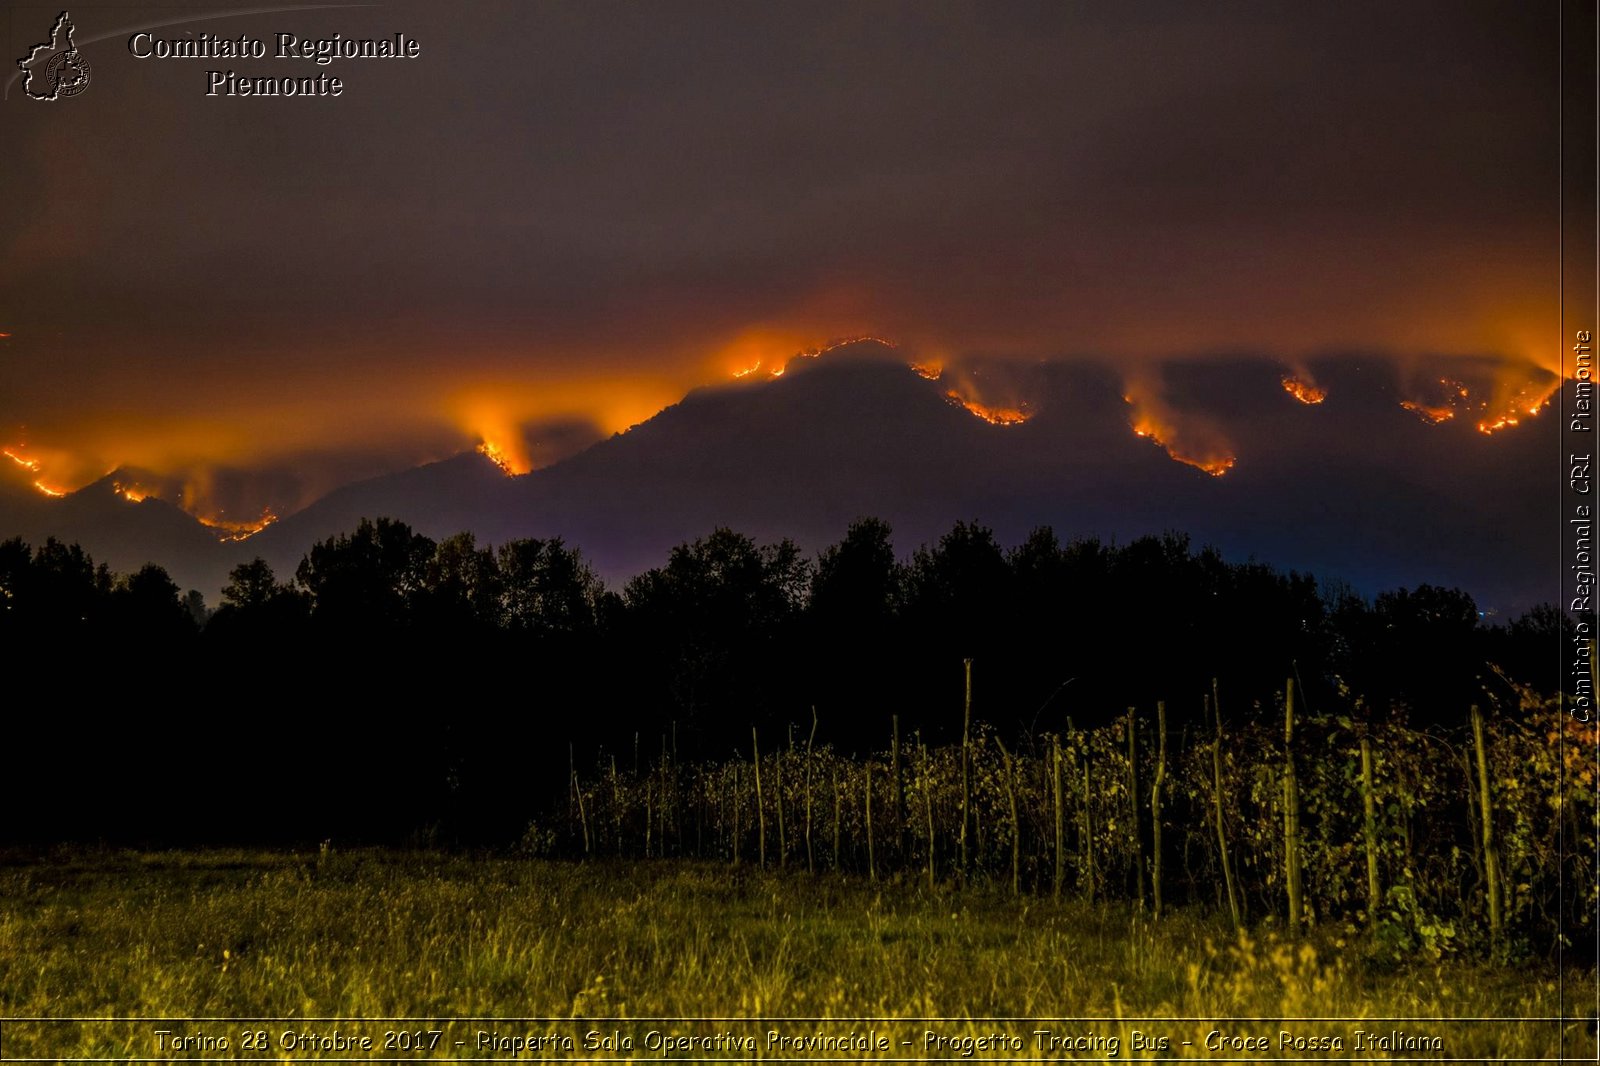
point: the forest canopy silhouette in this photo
(395, 685)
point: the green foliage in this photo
(1426, 832)
(1405, 931)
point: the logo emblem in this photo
(55, 69)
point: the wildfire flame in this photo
(32, 467)
(999, 416)
(1430, 414)
(840, 342)
(225, 528)
(500, 439)
(1000, 399)
(491, 451)
(1149, 423)
(1214, 467)
(813, 352)
(1490, 395)
(1304, 391)
(1528, 402)
(818, 351)
(26, 464)
(1499, 405)
(230, 530)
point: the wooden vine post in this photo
(927, 802)
(1222, 833)
(736, 814)
(1133, 808)
(811, 867)
(777, 801)
(1085, 827)
(1491, 861)
(838, 855)
(616, 803)
(872, 855)
(1291, 813)
(665, 804)
(966, 768)
(583, 817)
(899, 812)
(761, 812)
(1009, 767)
(1369, 830)
(572, 778)
(1155, 803)
(1055, 793)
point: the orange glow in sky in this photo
(495, 455)
(216, 425)
(554, 253)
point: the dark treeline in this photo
(395, 688)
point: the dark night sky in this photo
(563, 216)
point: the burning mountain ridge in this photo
(871, 430)
(1301, 388)
(1491, 394)
(1195, 441)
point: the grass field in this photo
(370, 933)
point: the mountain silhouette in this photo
(117, 531)
(1355, 488)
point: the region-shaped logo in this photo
(55, 69)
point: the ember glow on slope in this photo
(530, 256)
(1306, 392)
(485, 422)
(1511, 396)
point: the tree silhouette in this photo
(461, 588)
(725, 634)
(713, 622)
(257, 607)
(546, 588)
(853, 629)
(959, 590)
(66, 591)
(368, 580)
(148, 608)
(251, 586)
(858, 585)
